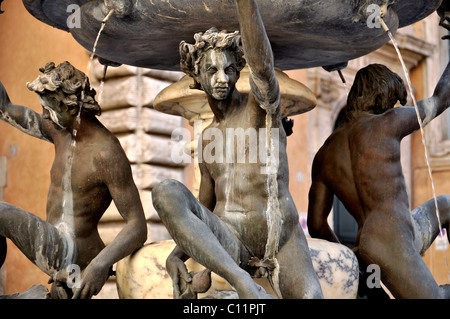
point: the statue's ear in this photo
(240, 64)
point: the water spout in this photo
(108, 16)
(120, 8)
(341, 76)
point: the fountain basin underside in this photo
(303, 34)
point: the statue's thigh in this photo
(297, 277)
(37, 239)
(225, 235)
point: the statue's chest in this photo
(74, 165)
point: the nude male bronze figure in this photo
(226, 230)
(360, 164)
(90, 170)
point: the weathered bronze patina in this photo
(360, 164)
(90, 170)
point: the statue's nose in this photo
(222, 77)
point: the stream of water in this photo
(273, 213)
(67, 219)
(419, 119)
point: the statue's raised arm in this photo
(444, 19)
(432, 107)
(20, 117)
(259, 55)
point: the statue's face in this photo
(51, 103)
(218, 74)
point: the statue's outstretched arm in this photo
(258, 54)
(405, 118)
(444, 20)
(440, 101)
(22, 118)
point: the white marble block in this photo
(143, 275)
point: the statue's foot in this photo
(253, 291)
(263, 294)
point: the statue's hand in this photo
(4, 98)
(59, 279)
(443, 12)
(92, 280)
(178, 272)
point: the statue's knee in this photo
(445, 199)
(4, 209)
(5, 216)
(165, 193)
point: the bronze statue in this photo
(444, 20)
(227, 229)
(89, 171)
(360, 164)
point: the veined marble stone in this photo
(143, 275)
